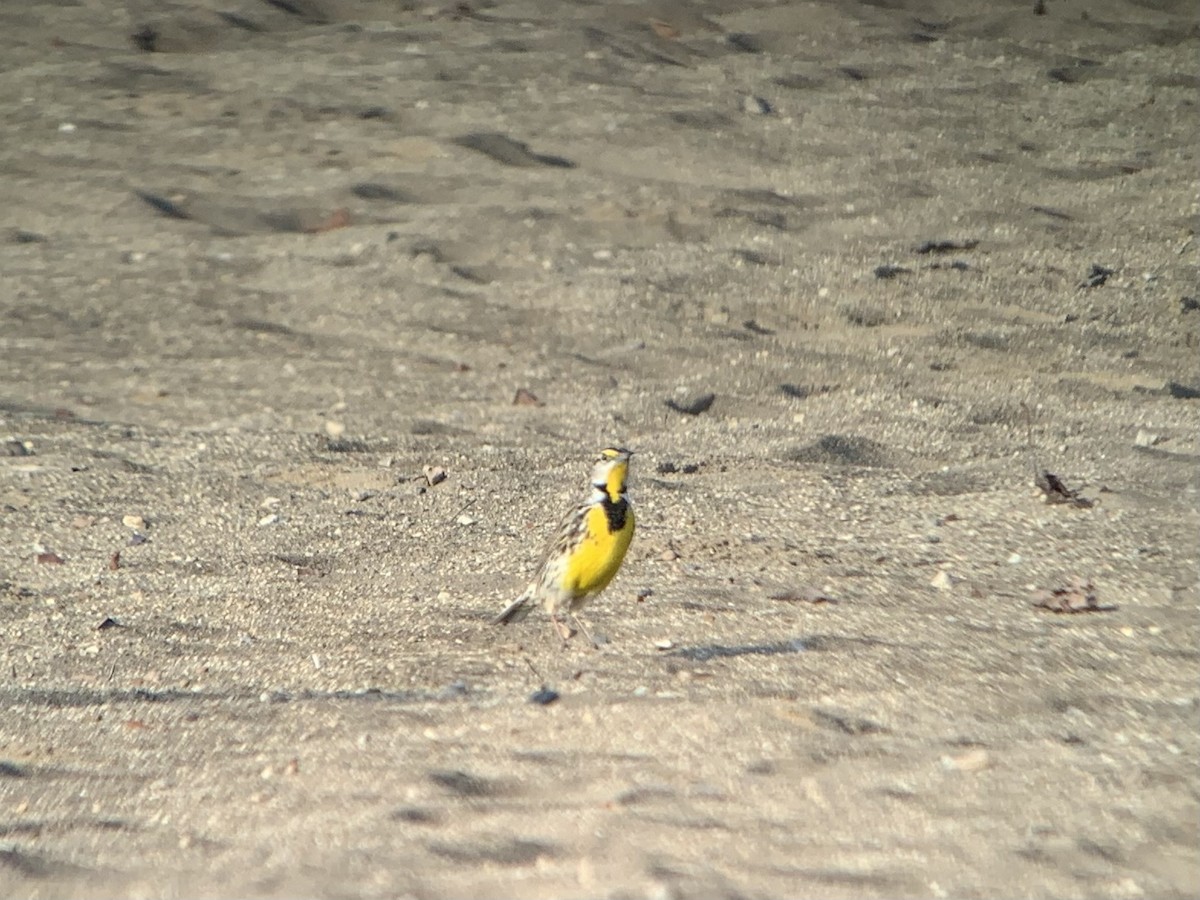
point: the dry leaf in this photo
(664, 29)
(526, 398)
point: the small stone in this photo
(137, 523)
(269, 519)
(1076, 596)
(464, 519)
(944, 581)
(1016, 559)
(334, 429)
(694, 406)
(543, 696)
(972, 761)
(1146, 438)
(756, 106)
(664, 644)
(669, 555)
(434, 475)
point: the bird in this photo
(586, 552)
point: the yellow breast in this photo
(598, 557)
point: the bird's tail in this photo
(517, 610)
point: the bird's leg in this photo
(578, 624)
(563, 629)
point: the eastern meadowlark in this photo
(587, 549)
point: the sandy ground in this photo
(262, 263)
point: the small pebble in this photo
(696, 405)
(137, 523)
(944, 581)
(755, 106)
(334, 429)
(464, 519)
(972, 761)
(1146, 438)
(664, 644)
(434, 475)
(270, 519)
(543, 696)
(1016, 559)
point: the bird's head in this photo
(610, 472)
